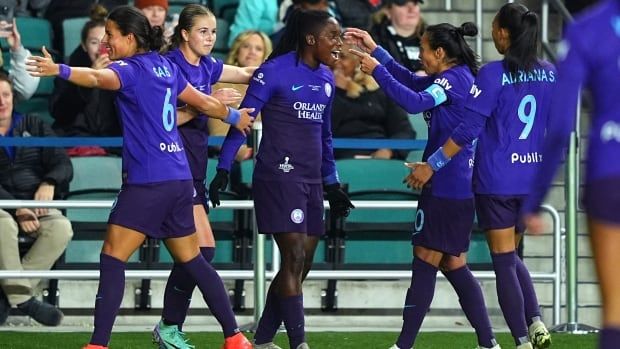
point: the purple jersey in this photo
(195, 133)
(416, 94)
(146, 103)
(598, 70)
(295, 104)
(509, 149)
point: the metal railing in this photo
(259, 275)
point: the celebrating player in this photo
(599, 70)
(293, 90)
(192, 43)
(156, 196)
(439, 242)
(508, 105)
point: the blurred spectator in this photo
(361, 110)
(157, 12)
(30, 173)
(287, 6)
(254, 15)
(24, 85)
(80, 111)
(27, 8)
(398, 29)
(355, 13)
(249, 49)
(59, 10)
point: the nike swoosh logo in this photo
(295, 88)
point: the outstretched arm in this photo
(104, 79)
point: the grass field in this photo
(317, 340)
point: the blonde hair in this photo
(233, 54)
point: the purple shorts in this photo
(288, 207)
(602, 200)
(159, 210)
(200, 194)
(500, 212)
(443, 224)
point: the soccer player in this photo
(293, 90)
(192, 43)
(439, 243)
(599, 70)
(509, 110)
(156, 196)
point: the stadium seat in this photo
(419, 125)
(35, 33)
(376, 236)
(221, 44)
(220, 6)
(72, 31)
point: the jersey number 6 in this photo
(167, 115)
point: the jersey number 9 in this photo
(527, 119)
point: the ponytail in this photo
(452, 40)
(522, 26)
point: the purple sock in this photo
(109, 297)
(179, 290)
(293, 315)
(213, 292)
(417, 301)
(208, 253)
(472, 303)
(609, 338)
(270, 320)
(530, 301)
(509, 294)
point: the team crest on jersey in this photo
(328, 89)
(285, 166)
(121, 63)
(297, 216)
(259, 78)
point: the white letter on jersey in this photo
(475, 91)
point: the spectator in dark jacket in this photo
(81, 111)
(30, 173)
(398, 29)
(361, 110)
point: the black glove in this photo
(339, 203)
(220, 182)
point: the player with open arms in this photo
(508, 107)
(598, 70)
(439, 243)
(156, 196)
(192, 42)
(293, 90)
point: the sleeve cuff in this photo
(331, 179)
(382, 55)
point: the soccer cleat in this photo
(496, 346)
(269, 345)
(539, 335)
(238, 341)
(394, 347)
(303, 346)
(527, 345)
(93, 346)
(169, 337)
